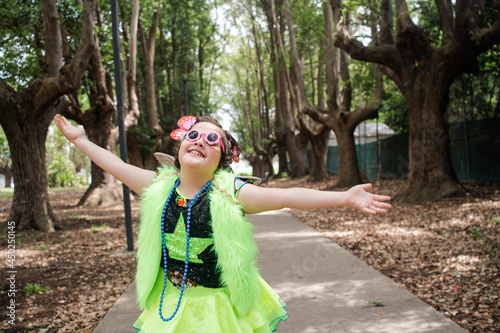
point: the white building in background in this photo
(366, 133)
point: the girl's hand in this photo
(358, 198)
(71, 132)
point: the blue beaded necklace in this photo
(186, 262)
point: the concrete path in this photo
(326, 288)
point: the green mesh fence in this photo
(475, 149)
(475, 152)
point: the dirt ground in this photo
(445, 252)
(74, 264)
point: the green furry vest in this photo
(232, 234)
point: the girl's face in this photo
(198, 154)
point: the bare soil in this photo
(445, 252)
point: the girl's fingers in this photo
(366, 186)
(382, 197)
(381, 204)
(368, 210)
(379, 210)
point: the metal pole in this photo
(121, 125)
(379, 171)
(365, 150)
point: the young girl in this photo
(196, 259)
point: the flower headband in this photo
(185, 124)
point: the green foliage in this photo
(477, 96)
(488, 244)
(61, 171)
(428, 18)
(5, 159)
(22, 39)
(44, 248)
(362, 82)
(394, 113)
(6, 193)
(20, 51)
(187, 48)
(310, 33)
(374, 303)
(95, 229)
(144, 136)
(70, 21)
(33, 288)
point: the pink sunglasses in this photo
(212, 138)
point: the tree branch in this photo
(386, 24)
(297, 65)
(320, 117)
(445, 11)
(69, 77)
(412, 41)
(331, 78)
(383, 54)
(311, 128)
(391, 75)
(9, 107)
(53, 39)
(366, 112)
(487, 37)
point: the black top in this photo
(202, 258)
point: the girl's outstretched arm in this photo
(256, 199)
(135, 178)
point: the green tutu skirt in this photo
(210, 310)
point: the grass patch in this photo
(6, 192)
(95, 229)
(32, 288)
(62, 189)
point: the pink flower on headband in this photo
(185, 124)
(236, 158)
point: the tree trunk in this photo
(258, 165)
(431, 175)
(7, 172)
(319, 151)
(261, 162)
(424, 74)
(279, 82)
(338, 115)
(132, 111)
(297, 152)
(133, 103)
(104, 189)
(30, 205)
(296, 147)
(97, 121)
(281, 102)
(26, 116)
(148, 50)
(349, 174)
